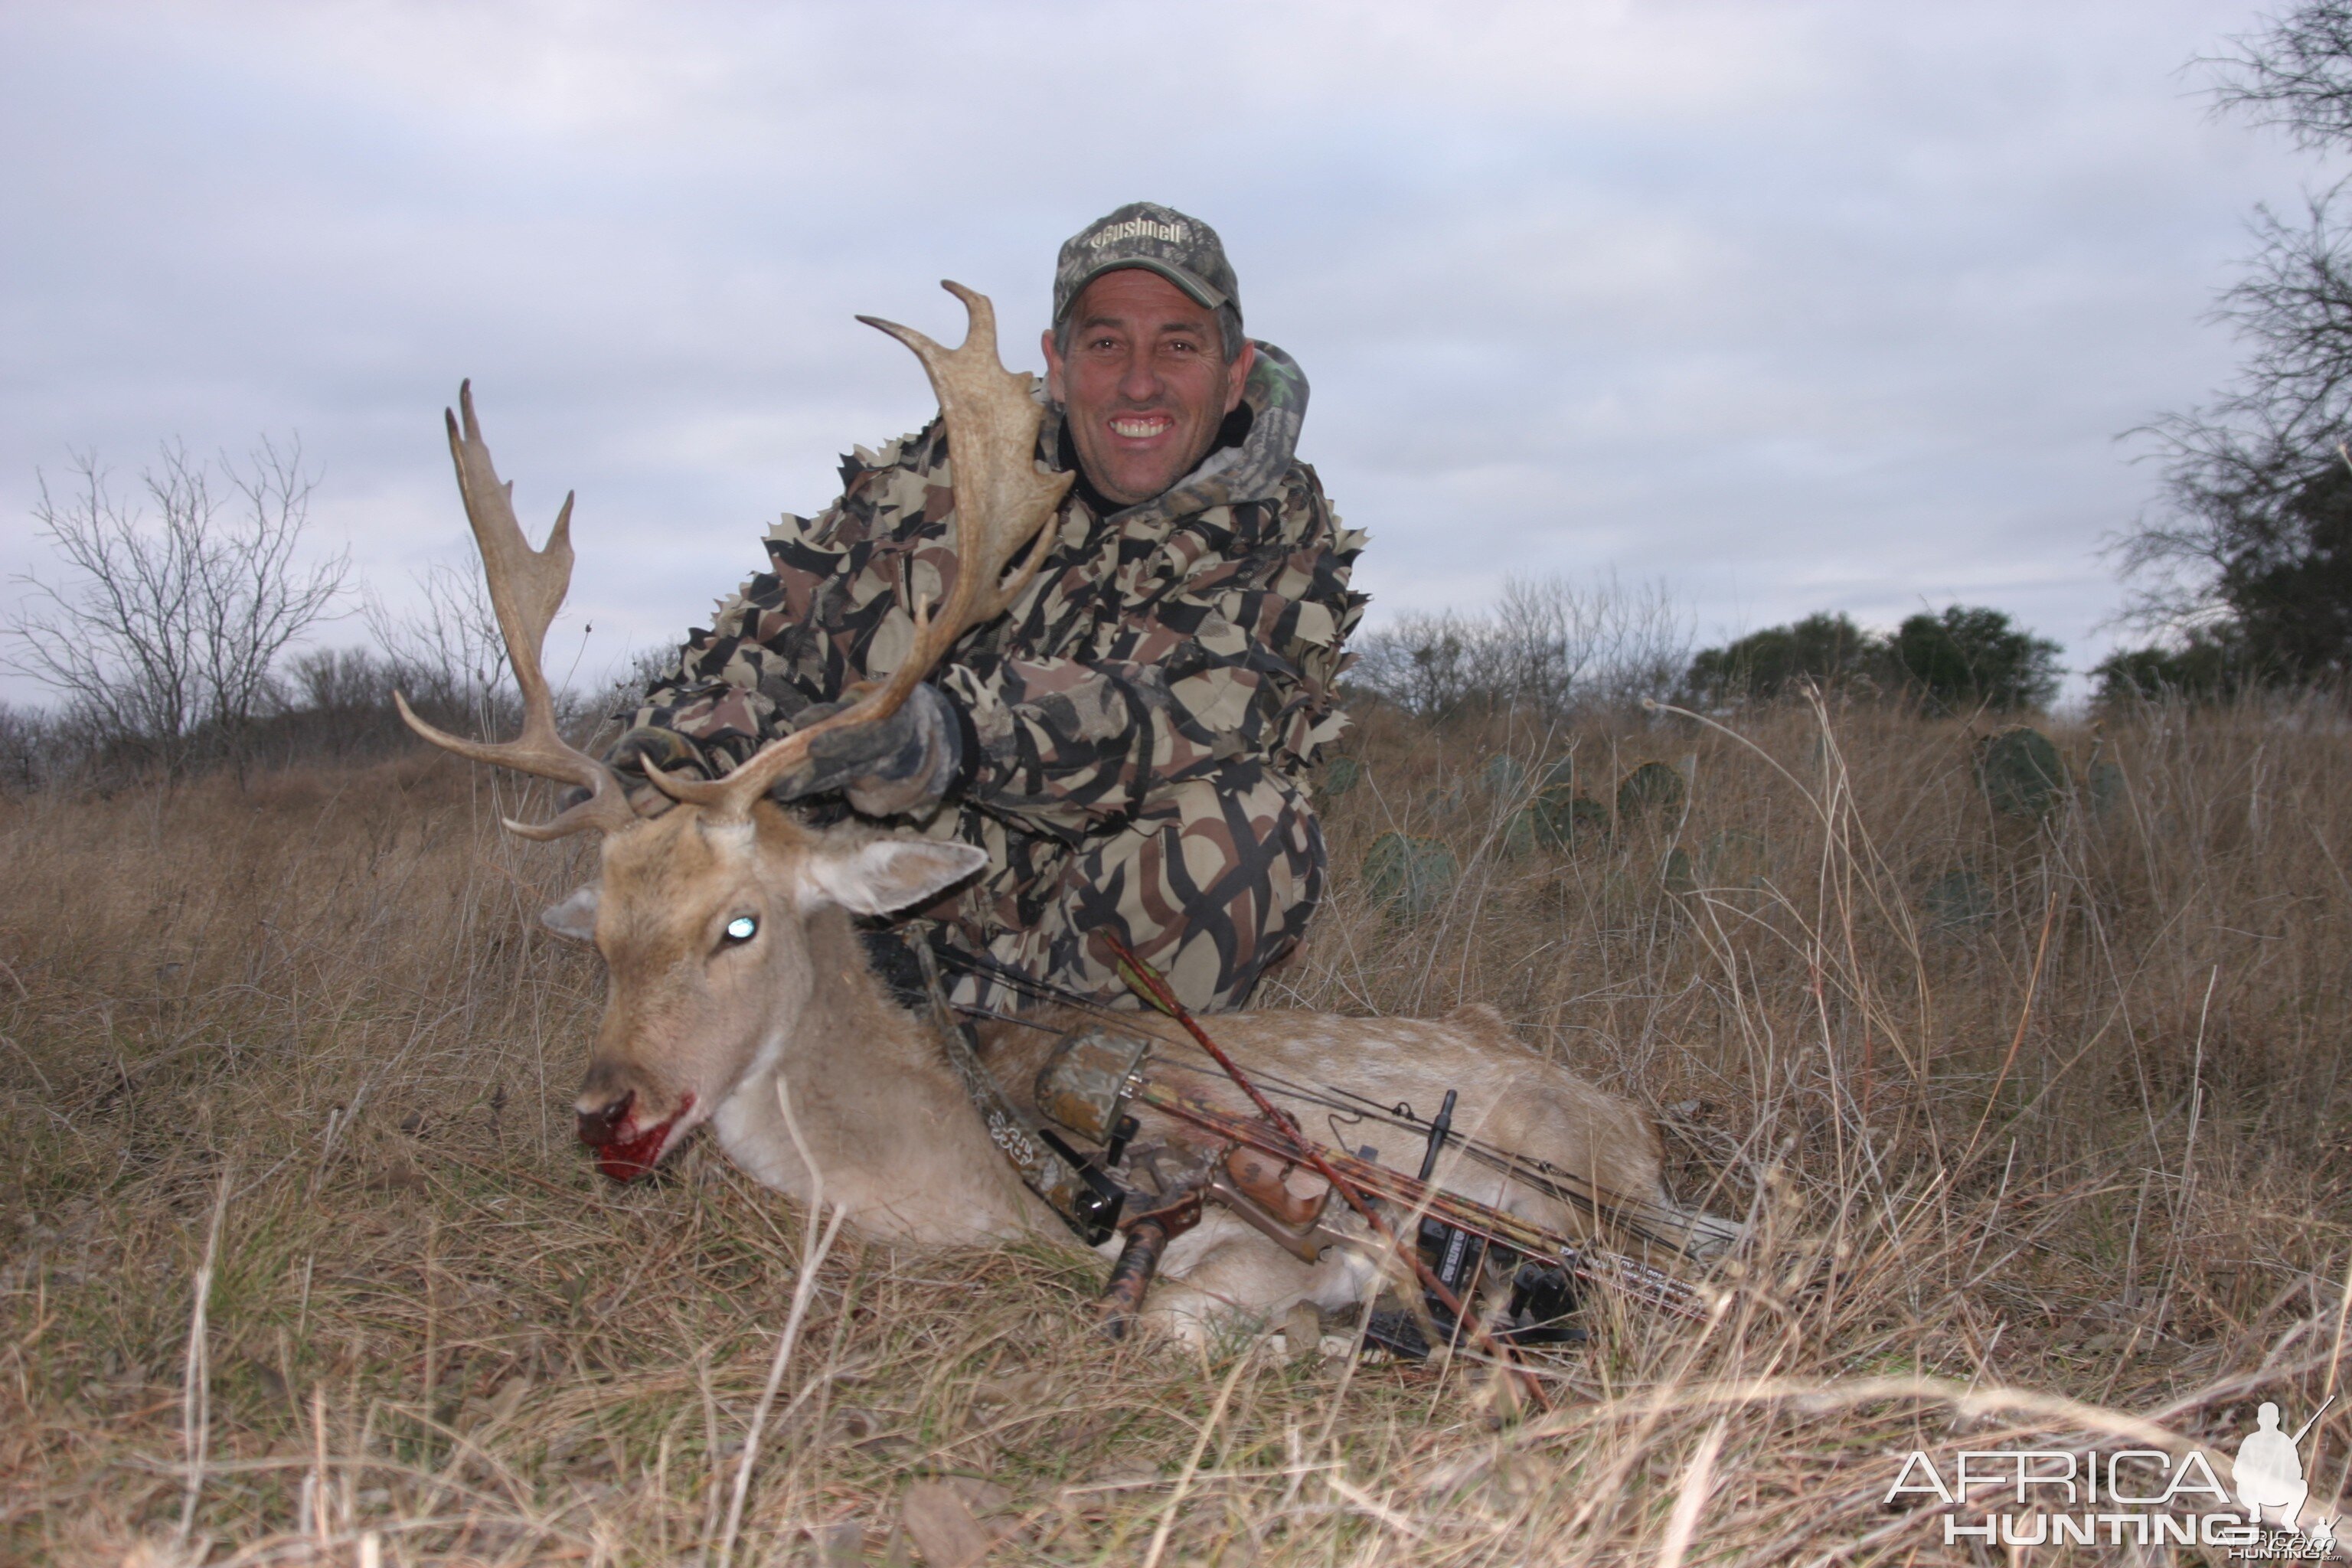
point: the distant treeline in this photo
(1552, 647)
(330, 706)
(1548, 647)
(1958, 660)
(172, 636)
(173, 639)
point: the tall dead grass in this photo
(2058, 1155)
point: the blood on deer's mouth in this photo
(622, 1157)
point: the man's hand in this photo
(667, 749)
(901, 764)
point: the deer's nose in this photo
(602, 1126)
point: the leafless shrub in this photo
(27, 750)
(163, 635)
(1550, 646)
(1425, 662)
(333, 703)
(447, 655)
(443, 654)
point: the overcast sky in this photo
(1796, 306)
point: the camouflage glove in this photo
(668, 750)
(902, 763)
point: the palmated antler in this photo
(527, 587)
(1001, 503)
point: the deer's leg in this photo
(1223, 1274)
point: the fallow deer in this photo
(740, 994)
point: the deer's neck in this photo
(885, 1120)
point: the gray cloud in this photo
(1798, 305)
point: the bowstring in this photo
(1637, 1215)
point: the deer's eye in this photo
(742, 928)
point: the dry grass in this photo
(2076, 1172)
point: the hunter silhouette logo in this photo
(2270, 1477)
(2269, 1470)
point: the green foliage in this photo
(2022, 773)
(1825, 649)
(1963, 659)
(2288, 580)
(1968, 657)
(1409, 876)
(1340, 774)
(2206, 666)
(1561, 817)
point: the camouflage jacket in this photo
(1158, 641)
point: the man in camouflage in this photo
(1129, 742)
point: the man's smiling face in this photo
(1145, 385)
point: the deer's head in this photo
(716, 936)
(713, 918)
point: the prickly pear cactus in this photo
(1680, 874)
(1518, 833)
(1959, 900)
(2105, 779)
(1653, 791)
(1503, 778)
(1340, 774)
(1564, 819)
(2021, 772)
(1409, 876)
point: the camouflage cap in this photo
(1184, 250)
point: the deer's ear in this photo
(882, 875)
(575, 917)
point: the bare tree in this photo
(2237, 468)
(27, 750)
(1605, 644)
(1550, 645)
(446, 654)
(2248, 553)
(165, 629)
(1423, 661)
(2295, 75)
